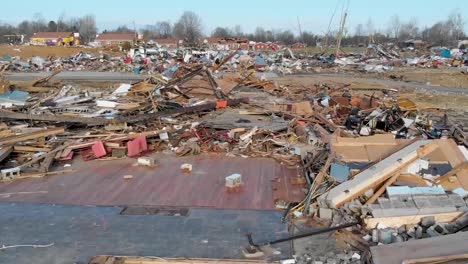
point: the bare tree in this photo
(237, 31)
(164, 29)
(287, 37)
(260, 34)
(456, 24)
(221, 32)
(39, 23)
(61, 24)
(370, 30)
(395, 26)
(189, 27)
(87, 28)
(359, 30)
(409, 30)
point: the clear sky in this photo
(282, 14)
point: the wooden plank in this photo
(29, 149)
(397, 221)
(382, 189)
(435, 260)
(378, 140)
(5, 152)
(396, 253)
(34, 135)
(37, 159)
(45, 165)
(159, 260)
(321, 175)
(456, 170)
(411, 180)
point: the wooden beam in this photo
(454, 171)
(5, 152)
(411, 180)
(29, 149)
(382, 189)
(159, 260)
(397, 221)
(321, 175)
(37, 159)
(45, 165)
(28, 136)
(435, 260)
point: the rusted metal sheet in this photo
(102, 183)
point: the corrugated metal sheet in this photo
(102, 183)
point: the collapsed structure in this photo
(399, 171)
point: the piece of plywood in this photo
(411, 180)
(379, 139)
(158, 260)
(5, 152)
(397, 221)
(33, 135)
(396, 253)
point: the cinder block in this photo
(456, 200)
(421, 202)
(325, 213)
(385, 203)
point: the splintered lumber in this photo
(377, 174)
(226, 59)
(397, 253)
(33, 135)
(382, 189)
(398, 221)
(37, 159)
(159, 260)
(130, 120)
(44, 80)
(457, 170)
(45, 165)
(29, 149)
(5, 152)
(435, 260)
(54, 118)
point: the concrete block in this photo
(428, 221)
(462, 220)
(457, 201)
(421, 202)
(436, 210)
(385, 203)
(234, 180)
(325, 213)
(385, 236)
(395, 212)
(431, 232)
(146, 161)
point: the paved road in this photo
(414, 86)
(129, 77)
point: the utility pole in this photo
(300, 30)
(340, 33)
(134, 30)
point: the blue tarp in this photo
(14, 97)
(340, 172)
(260, 62)
(446, 54)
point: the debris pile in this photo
(377, 159)
(153, 60)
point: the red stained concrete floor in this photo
(101, 183)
